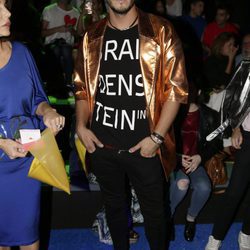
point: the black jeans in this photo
(146, 176)
(237, 189)
(63, 54)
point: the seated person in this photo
(193, 124)
(245, 50)
(58, 29)
(219, 25)
(219, 66)
(194, 17)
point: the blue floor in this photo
(85, 239)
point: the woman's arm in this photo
(51, 118)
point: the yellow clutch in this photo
(48, 165)
(81, 150)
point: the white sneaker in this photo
(244, 241)
(213, 244)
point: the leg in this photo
(201, 190)
(178, 189)
(129, 197)
(244, 235)
(111, 178)
(34, 246)
(57, 52)
(67, 62)
(246, 221)
(237, 187)
(146, 176)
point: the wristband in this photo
(158, 136)
(156, 140)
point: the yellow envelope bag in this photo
(48, 165)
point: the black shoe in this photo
(189, 231)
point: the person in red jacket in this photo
(219, 25)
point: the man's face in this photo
(221, 17)
(197, 8)
(246, 47)
(159, 8)
(120, 6)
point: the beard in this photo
(120, 11)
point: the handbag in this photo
(48, 165)
(215, 168)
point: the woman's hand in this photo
(147, 148)
(232, 52)
(53, 120)
(12, 148)
(191, 163)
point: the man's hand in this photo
(236, 138)
(88, 138)
(147, 147)
(12, 148)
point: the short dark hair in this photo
(190, 2)
(195, 1)
(224, 6)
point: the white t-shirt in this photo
(54, 15)
(175, 9)
(246, 123)
(77, 3)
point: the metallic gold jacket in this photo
(162, 66)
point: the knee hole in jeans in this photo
(183, 184)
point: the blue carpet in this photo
(86, 239)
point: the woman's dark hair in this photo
(9, 4)
(220, 41)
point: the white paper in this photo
(29, 135)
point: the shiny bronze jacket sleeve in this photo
(162, 64)
(79, 74)
(174, 75)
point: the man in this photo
(58, 28)
(130, 81)
(245, 50)
(219, 25)
(194, 17)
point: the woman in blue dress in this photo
(23, 104)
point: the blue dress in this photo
(20, 94)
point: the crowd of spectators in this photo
(53, 30)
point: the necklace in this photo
(131, 25)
